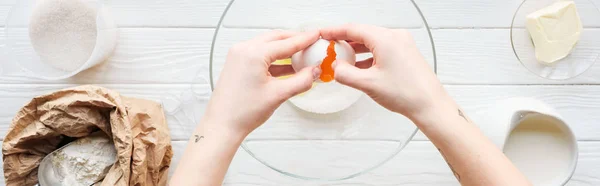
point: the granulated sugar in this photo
(63, 32)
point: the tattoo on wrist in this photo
(198, 138)
(461, 114)
(451, 168)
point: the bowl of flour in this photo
(56, 39)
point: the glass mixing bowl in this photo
(582, 57)
(312, 146)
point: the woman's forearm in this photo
(245, 96)
(471, 156)
(207, 156)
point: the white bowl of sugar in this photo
(56, 39)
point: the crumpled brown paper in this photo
(137, 127)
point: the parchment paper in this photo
(138, 128)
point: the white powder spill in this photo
(63, 32)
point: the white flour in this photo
(63, 32)
(85, 161)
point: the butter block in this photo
(554, 30)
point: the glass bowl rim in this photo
(401, 145)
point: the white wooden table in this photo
(163, 43)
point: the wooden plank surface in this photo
(143, 55)
(493, 13)
(485, 56)
(179, 110)
(206, 13)
(2, 42)
(141, 13)
(292, 13)
(468, 13)
(578, 104)
(173, 13)
(418, 164)
(164, 44)
(4, 10)
(227, 37)
(481, 56)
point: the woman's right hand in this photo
(397, 77)
(401, 80)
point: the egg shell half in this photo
(314, 54)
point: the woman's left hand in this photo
(247, 92)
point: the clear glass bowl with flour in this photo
(562, 51)
(56, 39)
(319, 145)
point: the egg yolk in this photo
(327, 73)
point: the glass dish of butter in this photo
(556, 39)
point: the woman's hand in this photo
(397, 77)
(247, 93)
(245, 96)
